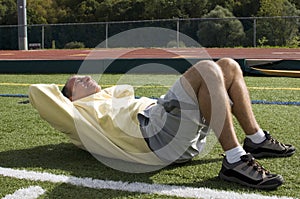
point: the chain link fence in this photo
(208, 32)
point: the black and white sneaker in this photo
(268, 148)
(248, 172)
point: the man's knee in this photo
(229, 65)
(208, 68)
(204, 72)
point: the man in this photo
(174, 126)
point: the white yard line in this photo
(160, 189)
(31, 192)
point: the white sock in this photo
(234, 155)
(257, 137)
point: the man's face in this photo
(82, 86)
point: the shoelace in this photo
(253, 163)
(269, 137)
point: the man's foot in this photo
(268, 148)
(248, 172)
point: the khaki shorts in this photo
(174, 128)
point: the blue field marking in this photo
(14, 95)
(275, 102)
(253, 101)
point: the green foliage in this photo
(36, 11)
(44, 12)
(279, 31)
(86, 10)
(173, 44)
(262, 41)
(297, 3)
(160, 9)
(294, 42)
(220, 33)
(121, 10)
(74, 45)
(245, 8)
(8, 12)
(58, 11)
(193, 8)
(8, 15)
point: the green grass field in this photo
(27, 142)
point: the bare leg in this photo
(238, 93)
(205, 79)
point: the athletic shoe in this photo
(248, 172)
(268, 148)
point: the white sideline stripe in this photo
(160, 189)
(31, 192)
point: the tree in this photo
(8, 12)
(220, 33)
(86, 11)
(121, 10)
(193, 8)
(244, 8)
(297, 3)
(277, 31)
(8, 16)
(41, 12)
(162, 9)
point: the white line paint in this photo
(160, 189)
(286, 53)
(31, 192)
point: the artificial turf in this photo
(28, 142)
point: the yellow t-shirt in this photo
(105, 123)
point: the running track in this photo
(235, 53)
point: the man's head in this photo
(78, 87)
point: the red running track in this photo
(235, 53)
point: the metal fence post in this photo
(106, 35)
(177, 36)
(43, 37)
(254, 32)
(22, 25)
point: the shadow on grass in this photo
(208, 182)
(66, 158)
(82, 192)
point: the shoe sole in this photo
(266, 187)
(270, 155)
